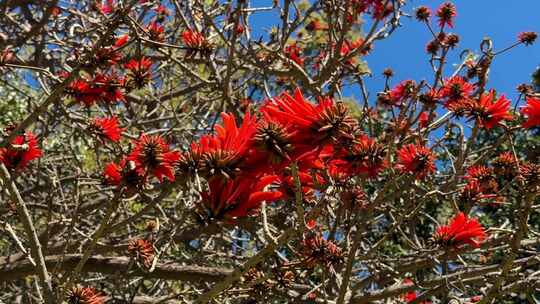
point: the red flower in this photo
(142, 250)
(364, 156)
(417, 160)
(527, 38)
(287, 185)
(103, 87)
(506, 165)
(485, 177)
(423, 119)
(274, 139)
(315, 25)
(460, 231)
(294, 52)
(108, 56)
(121, 41)
(162, 10)
(474, 192)
(317, 250)
(112, 174)
(151, 155)
(106, 128)
(314, 124)
(455, 89)
(349, 46)
(123, 173)
(411, 295)
(196, 42)
(226, 153)
(156, 31)
(85, 295)
(23, 149)
(446, 13)
(532, 111)
(235, 198)
(404, 90)
(139, 72)
(109, 86)
(82, 91)
(423, 13)
(490, 110)
(106, 8)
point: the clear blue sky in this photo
(501, 20)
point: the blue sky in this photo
(500, 20)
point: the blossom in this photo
(348, 46)
(423, 13)
(102, 87)
(433, 47)
(23, 149)
(354, 199)
(121, 41)
(404, 90)
(315, 25)
(294, 52)
(156, 31)
(226, 153)
(236, 198)
(106, 128)
(527, 38)
(490, 110)
(85, 295)
(162, 10)
(315, 124)
(142, 250)
(109, 55)
(123, 173)
(446, 13)
(274, 139)
(196, 43)
(483, 178)
(109, 87)
(83, 91)
(416, 159)
(365, 156)
(532, 111)
(152, 155)
(474, 192)
(106, 7)
(530, 174)
(455, 89)
(139, 71)
(505, 164)
(423, 119)
(112, 174)
(287, 184)
(317, 250)
(410, 296)
(461, 231)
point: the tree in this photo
(173, 152)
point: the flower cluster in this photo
(460, 231)
(142, 251)
(23, 149)
(318, 250)
(196, 42)
(85, 295)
